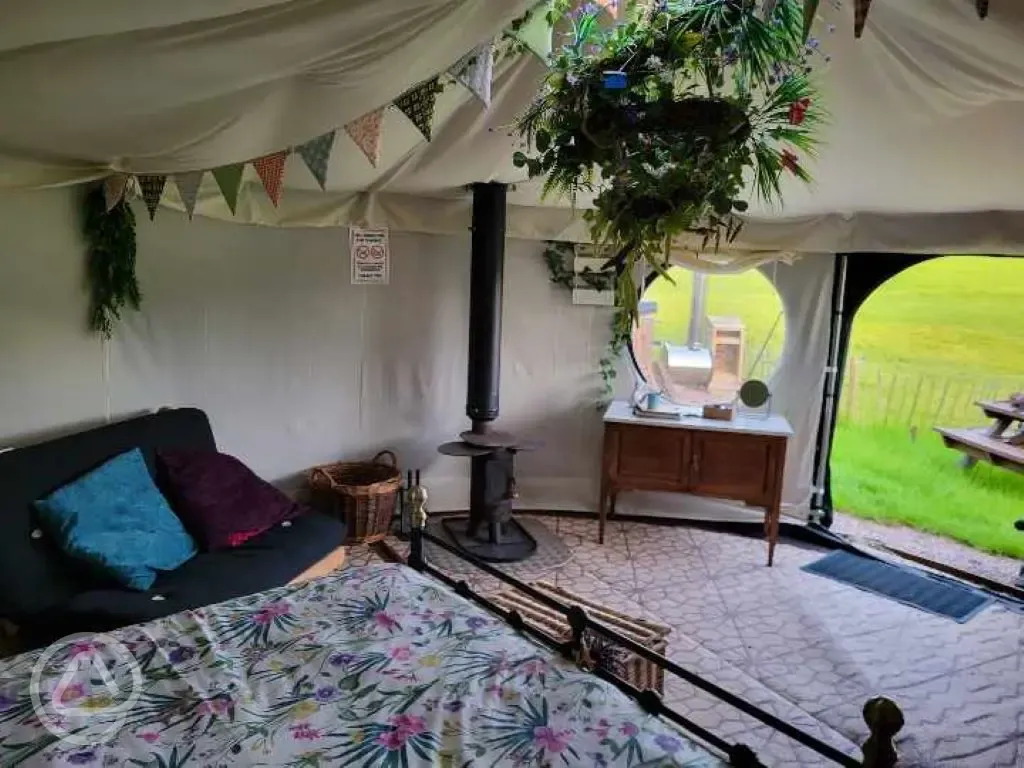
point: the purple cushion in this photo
(219, 499)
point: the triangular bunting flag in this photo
(365, 132)
(611, 7)
(860, 16)
(535, 33)
(418, 105)
(188, 188)
(317, 154)
(475, 71)
(229, 179)
(271, 170)
(152, 187)
(114, 187)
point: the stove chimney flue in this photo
(485, 286)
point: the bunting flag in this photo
(611, 7)
(475, 71)
(365, 132)
(152, 187)
(271, 170)
(317, 154)
(860, 15)
(535, 33)
(188, 189)
(229, 179)
(114, 187)
(418, 105)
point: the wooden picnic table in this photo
(1001, 443)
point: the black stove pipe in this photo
(485, 294)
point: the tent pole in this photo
(832, 382)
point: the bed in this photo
(373, 666)
(381, 665)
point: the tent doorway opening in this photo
(926, 344)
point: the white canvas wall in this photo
(295, 366)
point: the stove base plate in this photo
(516, 542)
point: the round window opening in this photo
(701, 336)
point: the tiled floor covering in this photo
(806, 648)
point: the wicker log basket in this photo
(632, 668)
(362, 493)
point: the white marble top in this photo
(621, 412)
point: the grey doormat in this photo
(918, 589)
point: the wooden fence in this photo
(891, 395)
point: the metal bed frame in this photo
(882, 715)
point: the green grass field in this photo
(928, 343)
(879, 473)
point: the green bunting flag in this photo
(229, 179)
(152, 186)
(418, 105)
(317, 154)
(535, 32)
(188, 189)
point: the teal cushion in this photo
(116, 520)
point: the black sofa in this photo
(48, 596)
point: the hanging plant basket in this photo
(663, 121)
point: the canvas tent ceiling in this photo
(921, 153)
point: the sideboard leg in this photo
(772, 521)
(602, 512)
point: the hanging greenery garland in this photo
(663, 118)
(110, 261)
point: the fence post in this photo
(851, 396)
(913, 404)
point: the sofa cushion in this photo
(115, 520)
(271, 559)
(34, 573)
(220, 500)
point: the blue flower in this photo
(341, 659)
(476, 622)
(325, 694)
(453, 706)
(181, 654)
(81, 758)
(668, 743)
(7, 702)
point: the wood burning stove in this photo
(489, 532)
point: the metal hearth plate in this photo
(551, 552)
(517, 543)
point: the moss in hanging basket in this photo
(707, 106)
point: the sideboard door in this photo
(652, 458)
(732, 466)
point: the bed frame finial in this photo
(418, 498)
(885, 720)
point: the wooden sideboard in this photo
(740, 460)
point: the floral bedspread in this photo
(374, 666)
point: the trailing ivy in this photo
(110, 261)
(559, 256)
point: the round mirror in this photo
(754, 393)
